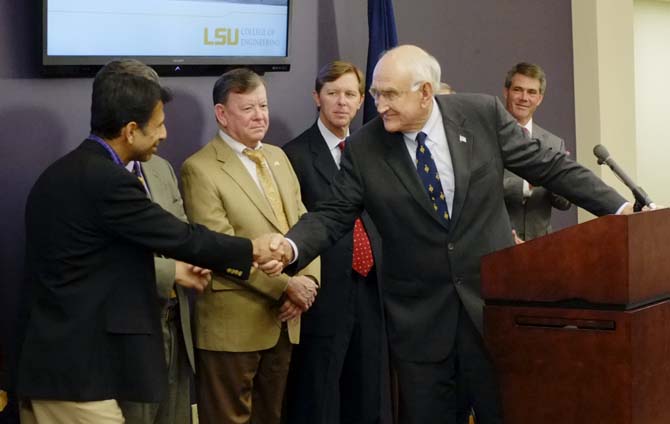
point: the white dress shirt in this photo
(249, 164)
(332, 141)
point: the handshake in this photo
(272, 252)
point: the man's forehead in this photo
(251, 95)
(525, 81)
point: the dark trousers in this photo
(443, 392)
(338, 379)
(242, 387)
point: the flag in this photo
(382, 36)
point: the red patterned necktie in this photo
(362, 260)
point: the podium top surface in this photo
(615, 259)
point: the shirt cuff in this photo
(295, 251)
(618, 211)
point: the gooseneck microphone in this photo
(641, 197)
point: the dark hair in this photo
(240, 80)
(531, 71)
(124, 91)
(335, 70)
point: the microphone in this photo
(641, 197)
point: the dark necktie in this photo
(137, 170)
(430, 178)
(362, 260)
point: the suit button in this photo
(450, 246)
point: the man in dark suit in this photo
(529, 207)
(90, 333)
(429, 172)
(336, 370)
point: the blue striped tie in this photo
(430, 178)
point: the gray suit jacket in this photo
(164, 190)
(531, 217)
(431, 266)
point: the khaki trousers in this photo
(66, 412)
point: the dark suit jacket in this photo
(531, 217)
(92, 330)
(315, 168)
(431, 267)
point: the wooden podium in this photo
(578, 323)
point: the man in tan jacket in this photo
(238, 185)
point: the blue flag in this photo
(382, 36)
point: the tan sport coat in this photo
(219, 193)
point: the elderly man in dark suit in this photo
(429, 172)
(91, 335)
(529, 207)
(336, 371)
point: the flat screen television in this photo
(175, 37)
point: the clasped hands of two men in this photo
(271, 253)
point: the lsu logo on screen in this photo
(222, 37)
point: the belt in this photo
(171, 310)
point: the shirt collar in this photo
(529, 127)
(331, 139)
(430, 125)
(236, 145)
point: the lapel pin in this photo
(462, 139)
(276, 163)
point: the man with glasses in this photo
(429, 172)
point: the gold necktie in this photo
(269, 186)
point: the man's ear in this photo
(220, 113)
(361, 102)
(317, 99)
(128, 131)
(427, 93)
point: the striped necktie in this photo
(430, 178)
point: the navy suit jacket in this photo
(315, 168)
(91, 328)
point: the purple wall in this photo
(476, 42)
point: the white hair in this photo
(422, 67)
(426, 69)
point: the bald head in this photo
(414, 62)
(403, 84)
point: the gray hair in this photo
(422, 67)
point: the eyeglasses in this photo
(391, 95)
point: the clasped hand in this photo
(300, 294)
(272, 253)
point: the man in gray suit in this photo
(429, 173)
(528, 206)
(160, 183)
